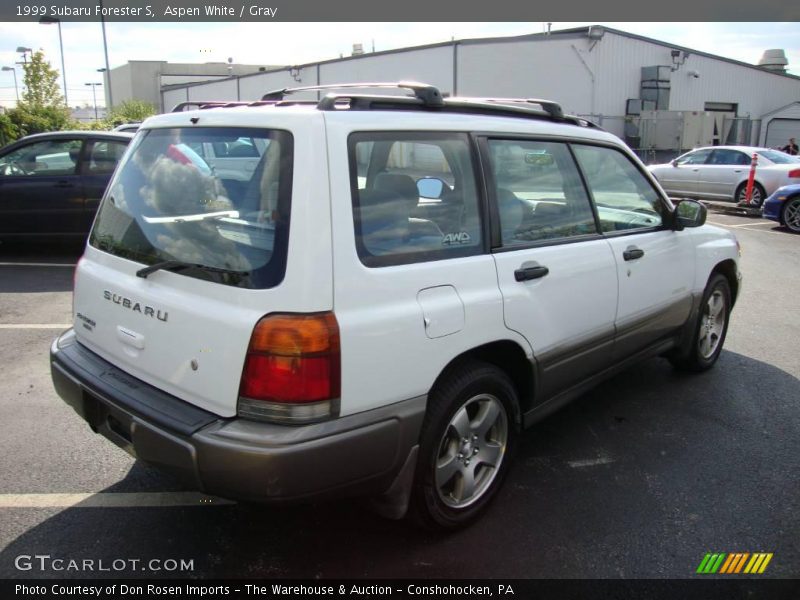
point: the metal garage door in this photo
(780, 130)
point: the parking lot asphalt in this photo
(640, 477)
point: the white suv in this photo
(399, 286)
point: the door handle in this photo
(64, 184)
(632, 253)
(527, 273)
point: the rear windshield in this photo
(779, 158)
(216, 199)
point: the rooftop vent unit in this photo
(774, 60)
(358, 49)
(595, 32)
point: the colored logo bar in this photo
(737, 562)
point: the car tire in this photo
(758, 197)
(790, 214)
(467, 443)
(710, 328)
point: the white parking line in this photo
(590, 462)
(757, 224)
(26, 264)
(111, 500)
(749, 226)
(35, 325)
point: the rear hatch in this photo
(183, 261)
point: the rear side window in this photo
(728, 157)
(415, 197)
(104, 156)
(168, 202)
(624, 198)
(539, 192)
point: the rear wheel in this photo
(757, 197)
(467, 441)
(790, 214)
(711, 327)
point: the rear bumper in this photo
(359, 454)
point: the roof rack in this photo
(429, 95)
(425, 97)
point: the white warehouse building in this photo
(657, 96)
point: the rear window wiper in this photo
(178, 265)
(233, 214)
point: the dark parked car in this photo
(51, 183)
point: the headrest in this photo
(402, 185)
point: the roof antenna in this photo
(549, 25)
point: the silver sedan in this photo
(721, 172)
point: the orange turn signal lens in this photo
(296, 335)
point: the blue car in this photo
(783, 206)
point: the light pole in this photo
(24, 51)
(50, 21)
(105, 51)
(107, 92)
(94, 97)
(16, 89)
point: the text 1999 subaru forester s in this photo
(373, 294)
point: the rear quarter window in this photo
(415, 197)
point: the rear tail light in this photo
(292, 370)
(794, 173)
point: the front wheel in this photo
(757, 197)
(790, 214)
(711, 327)
(466, 446)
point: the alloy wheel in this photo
(712, 324)
(471, 451)
(791, 215)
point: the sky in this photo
(277, 43)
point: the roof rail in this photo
(429, 95)
(204, 104)
(551, 108)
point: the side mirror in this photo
(674, 162)
(689, 213)
(430, 187)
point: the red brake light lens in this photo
(288, 379)
(794, 173)
(293, 359)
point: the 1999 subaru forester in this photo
(373, 294)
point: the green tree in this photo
(42, 105)
(41, 83)
(130, 111)
(8, 131)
